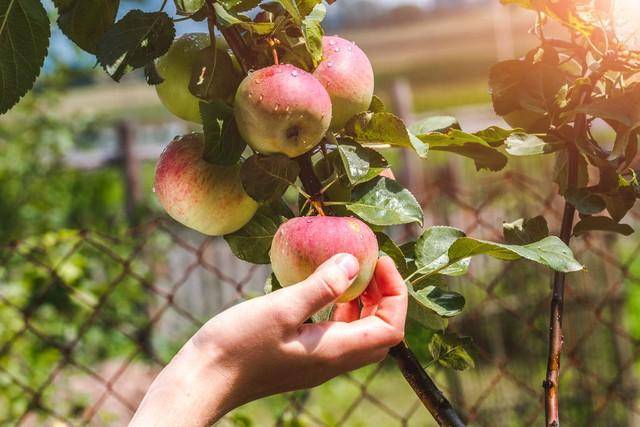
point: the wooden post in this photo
(130, 170)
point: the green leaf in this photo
(361, 164)
(601, 223)
(271, 284)
(442, 302)
(378, 128)
(377, 106)
(85, 22)
(623, 108)
(24, 40)
(305, 7)
(151, 74)
(252, 242)
(425, 316)
(384, 202)
(494, 136)
(188, 7)
(223, 143)
(523, 85)
(585, 201)
(292, 8)
(621, 196)
(451, 351)
(134, 41)
(239, 5)
(441, 124)
(561, 171)
(525, 231)
(228, 18)
(522, 144)
(312, 32)
(550, 251)
(468, 145)
(432, 248)
(388, 247)
(214, 76)
(267, 177)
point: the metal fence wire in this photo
(88, 319)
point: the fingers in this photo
(322, 288)
(346, 312)
(391, 292)
(339, 342)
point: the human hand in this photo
(263, 347)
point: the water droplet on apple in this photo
(336, 49)
(329, 64)
(350, 48)
(153, 189)
(261, 98)
(287, 108)
(294, 73)
(277, 108)
(332, 43)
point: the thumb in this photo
(323, 287)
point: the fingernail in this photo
(349, 264)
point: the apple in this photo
(346, 73)
(302, 244)
(203, 196)
(282, 109)
(175, 68)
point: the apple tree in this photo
(284, 108)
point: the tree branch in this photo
(424, 387)
(556, 338)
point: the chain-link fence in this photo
(88, 319)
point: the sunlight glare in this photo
(626, 16)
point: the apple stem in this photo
(272, 44)
(318, 207)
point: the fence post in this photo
(130, 167)
(131, 170)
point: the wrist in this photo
(192, 390)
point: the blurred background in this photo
(98, 289)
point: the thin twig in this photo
(556, 338)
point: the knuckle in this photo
(331, 281)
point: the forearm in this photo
(190, 391)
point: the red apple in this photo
(346, 73)
(282, 109)
(301, 245)
(203, 196)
